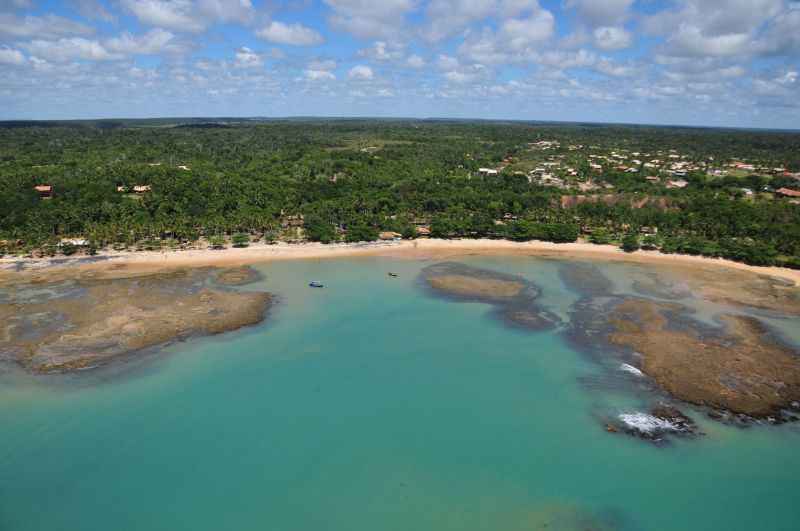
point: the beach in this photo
(420, 249)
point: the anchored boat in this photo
(315, 284)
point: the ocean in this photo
(375, 404)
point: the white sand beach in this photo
(412, 249)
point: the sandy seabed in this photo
(411, 249)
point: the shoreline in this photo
(413, 249)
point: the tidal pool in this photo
(376, 404)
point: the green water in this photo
(371, 405)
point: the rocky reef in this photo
(74, 324)
(513, 297)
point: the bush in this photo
(217, 242)
(630, 243)
(68, 249)
(240, 240)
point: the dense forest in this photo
(156, 183)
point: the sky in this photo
(692, 62)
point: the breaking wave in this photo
(631, 369)
(649, 424)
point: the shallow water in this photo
(373, 404)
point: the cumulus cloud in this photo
(415, 61)
(188, 16)
(612, 38)
(727, 28)
(247, 58)
(292, 34)
(68, 49)
(601, 13)
(44, 27)
(382, 51)
(516, 39)
(370, 19)
(320, 70)
(360, 72)
(153, 42)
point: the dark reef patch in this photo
(513, 297)
(585, 279)
(73, 324)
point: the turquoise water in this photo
(372, 405)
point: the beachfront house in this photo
(679, 183)
(142, 188)
(389, 236)
(787, 192)
(45, 191)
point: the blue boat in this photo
(315, 284)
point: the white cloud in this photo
(515, 41)
(726, 28)
(370, 19)
(247, 58)
(153, 42)
(320, 70)
(519, 34)
(44, 27)
(68, 49)
(415, 61)
(293, 34)
(612, 38)
(382, 51)
(10, 56)
(447, 17)
(188, 16)
(319, 75)
(601, 12)
(360, 72)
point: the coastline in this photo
(412, 249)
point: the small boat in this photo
(392, 274)
(315, 284)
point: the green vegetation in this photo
(129, 185)
(630, 243)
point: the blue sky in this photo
(696, 62)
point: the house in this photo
(141, 188)
(650, 231)
(45, 191)
(679, 183)
(77, 242)
(787, 192)
(389, 235)
(653, 179)
(487, 171)
(184, 168)
(423, 232)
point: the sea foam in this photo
(631, 369)
(649, 424)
